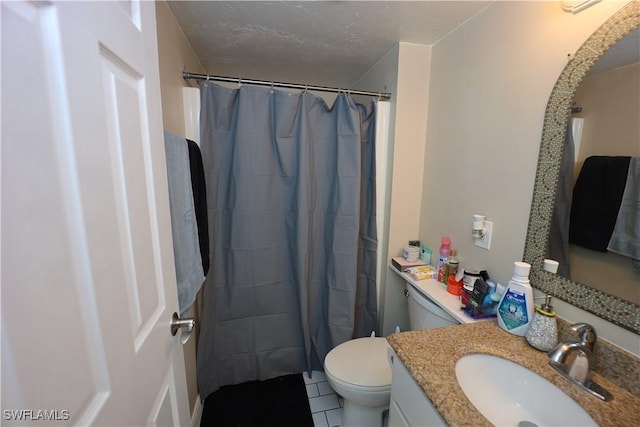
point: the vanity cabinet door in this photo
(409, 406)
(396, 417)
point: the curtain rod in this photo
(186, 75)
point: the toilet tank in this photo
(424, 313)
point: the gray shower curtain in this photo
(291, 206)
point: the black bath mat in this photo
(276, 402)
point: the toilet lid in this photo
(362, 362)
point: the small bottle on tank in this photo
(443, 254)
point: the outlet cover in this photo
(485, 241)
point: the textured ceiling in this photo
(331, 43)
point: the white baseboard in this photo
(196, 416)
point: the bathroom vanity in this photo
(424, 365)
(409, 406)
(425, 390)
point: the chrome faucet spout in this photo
(573, 360)
(574, 357)
(560, 353)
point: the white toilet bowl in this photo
(359, 371)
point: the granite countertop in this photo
(430, 355)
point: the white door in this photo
(88, 281)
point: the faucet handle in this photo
(586, 333)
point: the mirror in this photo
(604, 119)
(603, 304)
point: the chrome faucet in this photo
(573, 359)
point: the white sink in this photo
(508, 394)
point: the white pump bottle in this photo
(516, 307)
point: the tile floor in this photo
(326, 405)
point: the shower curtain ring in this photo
(239, 82)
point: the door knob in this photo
(185, 324)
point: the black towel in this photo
(199, 189)
(596, 200)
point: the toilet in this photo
(360, 372)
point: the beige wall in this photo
(409, 133)
(175, 55)
(404, 71)
(610, 109)
(490, 82)
(487, 95)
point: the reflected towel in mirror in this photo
(625, 239)
(597, 195)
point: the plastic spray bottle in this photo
(515, 310)
(445, 251)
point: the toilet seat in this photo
(360, 364)
(357, 388)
